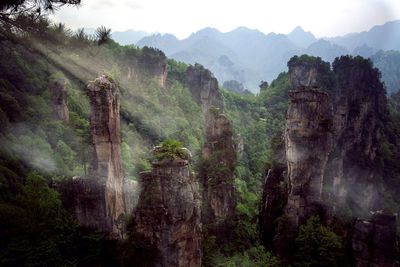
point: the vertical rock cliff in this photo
(152, 63)
(60, 100)
(273, 200)
(359, 102)
(204, 87)
(218, 159)
(274, 194)
(168, 214)
(332, 141)
(105, 132)
(100, 200)
(217, 174)
(308, 141)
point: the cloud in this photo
(133, 5)
(112, 5)
(323, 18)
(30, 148)
(98, 4)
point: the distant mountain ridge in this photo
(250, 56)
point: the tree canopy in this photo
(10, 7)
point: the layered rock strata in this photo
(359, 110)
(217, 176)
(168, 214)
(102, 199)
(308, 140)
(332, 142)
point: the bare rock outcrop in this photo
(152, 63)
(105, 133)
(273, 200)
(308, 144)
(60, 99)
(304, 75)
(374, 241)
(204, 87)
(103, 198)
(168, 214)
(217, 175)
(359, 105)
(332, 140)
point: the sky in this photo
(324, 18)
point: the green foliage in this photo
(345, 65)
(176, 70)
(36, 231)
(103, 35)
(169, 149)
(317, 245)
(13, 7)
(65, 158)
(137, 250)
(127, 162)
(257, 119)
(256, 256)
(325, 78)
(150, 55)
(263, 86)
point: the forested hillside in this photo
(41, 147)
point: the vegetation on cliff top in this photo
(170, 150)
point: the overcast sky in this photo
(182, 17)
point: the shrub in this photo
(170, 149)
(317, 245)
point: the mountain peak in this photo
(300, 37)
(207, 30)
(296, 30)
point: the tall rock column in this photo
(218, 159)
(217, 175)
(101, 199)
(168, 214)
(308, 144)
(203, 87)
(360, 112)
(105, 133)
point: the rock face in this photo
(374, 241)
(217, 175)
(275, 193)
(304, 75)
(60, 100)
(308, 143)
(273, 200)
(332, 139)
(160, 72)
(168, 214)
(204, 87)
(359, 110)
(83, 197)
(103, 198)
(105, 133)
(352, 134)
(154, 64)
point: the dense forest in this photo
(46, 140)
